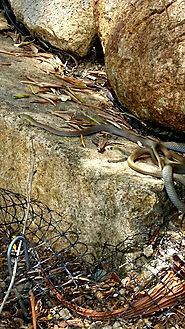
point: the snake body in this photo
(167, 174)
(169, 170)
(125, 133)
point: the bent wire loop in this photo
(9, 252)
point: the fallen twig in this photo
(33, 312)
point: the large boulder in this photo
(68, 25)
(145, 60)
(107, 12)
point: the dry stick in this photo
(34, 316)
(29, 183)
(29, 188)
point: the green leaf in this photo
(19, 96)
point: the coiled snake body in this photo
(171, 166)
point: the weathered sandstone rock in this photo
(145, 47)
(107, 13)
(68, 25)
(145, 60)
(104, 200)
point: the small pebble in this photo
(117, 325)
(148, 251)
(65, 314)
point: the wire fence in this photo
(127, 280)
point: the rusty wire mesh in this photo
(127, 280)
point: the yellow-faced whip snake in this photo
(171, 166)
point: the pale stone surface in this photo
(145, 60)
(144, 42)
(103, 200)
(106, 201)
(68, 25)
(107, 13)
